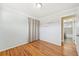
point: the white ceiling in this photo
(47, 9)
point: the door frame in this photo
(62, 27)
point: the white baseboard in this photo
(13, 46)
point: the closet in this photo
(34, 26)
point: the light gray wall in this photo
(52, 33)
(46, 33)
(13, 28)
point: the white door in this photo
(77, 37)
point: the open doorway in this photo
(68, 35)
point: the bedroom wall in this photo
(13, 28)
(52, 32)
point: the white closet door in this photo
(33, 29)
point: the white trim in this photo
(13, 46)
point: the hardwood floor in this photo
(69, 48)
(37, 48)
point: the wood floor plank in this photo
(58, 49)
(45, 50)
(37, 48)
(51, 50)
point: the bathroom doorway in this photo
(68, 35)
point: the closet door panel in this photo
(33, 29)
